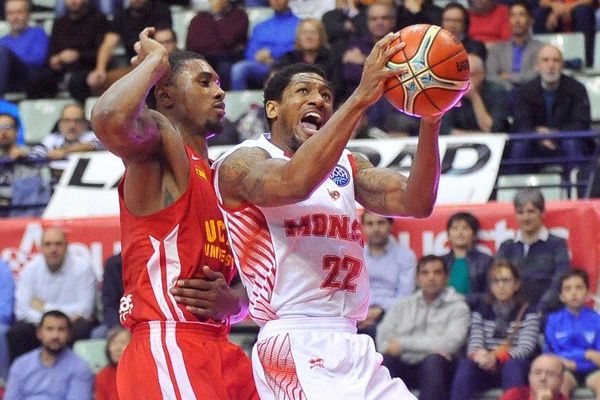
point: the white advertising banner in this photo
(88, 187)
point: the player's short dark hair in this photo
(178, 60)
(464, 12)
(281, 79)
(429, 259)
(523, 4)
(467, 217)
(56, 314)
(573, 273)
(14, 119)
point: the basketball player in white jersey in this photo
(289, 205)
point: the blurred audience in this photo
(7, 300)
(512, 63)
(106, 378)
(168, 38)
(347, 20)
(391, 268)
(268, 42)
(489, 21)
(455, 19)
(111, 293)
(55, 280)
(468, 265)
(220, 35)
(421, 334)
(311, 47)
(74, 42)
(540, 256)
(73, 135)
(125, 29)
(545, 377)
(7, 107)
(552, 102)
(22, 51)
(411, 12)
(573, 334)
(52, 371)
(570, 15)
(483, 107)
(9, 149)
(502, 340)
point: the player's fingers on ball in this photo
(390, 51)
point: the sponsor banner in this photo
(469, 165)
(577, 221)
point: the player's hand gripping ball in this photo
(438, 71)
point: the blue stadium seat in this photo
(237, 102)
(571, 44)
(39, 116)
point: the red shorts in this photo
(184, 361)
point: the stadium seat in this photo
(4, 28)
(39, 116)
(45, 3)
(571, 44)
(596, 67)
(509, 185)
(238, 102)
(181, 22)
(89, 104)
(93, 351)
(256, 15)
(592, 85)
(443, 3)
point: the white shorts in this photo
(320, 358)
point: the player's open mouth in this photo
(311, 122)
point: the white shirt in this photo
(71, 289)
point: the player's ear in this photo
(163, 96)
(272, 109)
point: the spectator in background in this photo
(220, 35)
(391, 268)
(7, 299)
(483, 107)
(9, 149)
(412, 12)
(111, 293)
(106, 378)
(540, 256)
(269, 41)
(168, 38)
(489, 21)
(545, 378)
(74, 42)
(22, 51)
(421, 334)
(573, 334)
(52, 371)
(512, 62)
(311, 47)
(12, 109)
(503, 337)
(347, 20)
(455, 19)
(575, 15)
(552, 102)
(468, 266)
(55, 280)
(73, 135)
(124, 29)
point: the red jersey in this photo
(171, 244)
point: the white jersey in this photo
(304, 259)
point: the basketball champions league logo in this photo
(340, 176)
(420, 75)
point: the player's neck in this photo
(197, 143)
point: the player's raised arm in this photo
(387, 192)
(120, 118)
(302, 124)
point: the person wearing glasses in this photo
(502, 338)
(545, 377)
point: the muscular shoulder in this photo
(240, 162)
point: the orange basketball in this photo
(438, 71)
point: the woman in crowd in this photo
(503, 337)
(106, 379)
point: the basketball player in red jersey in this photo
(172, 229)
